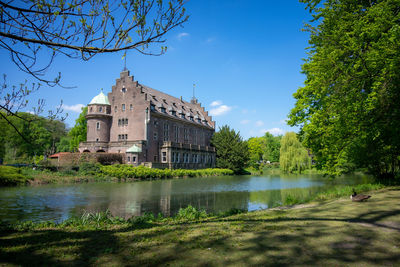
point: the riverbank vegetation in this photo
(95, 172)
(338, 232)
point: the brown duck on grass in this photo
(358, 198)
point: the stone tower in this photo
(99, 119)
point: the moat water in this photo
(213, 194)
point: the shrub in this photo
(11, 176)
(190, 213)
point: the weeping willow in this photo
(293, 156)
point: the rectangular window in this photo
(123, 107)
(129, 159)
(166, 132)
(173, 157)
(185, 135)
(133, 159)
(155, 136)
(176, 134)
(195, 137)
(119, 122)
(115, 109)
(155, 158)
(126, 137)
(98, 125)
(164, 156)
(100, 109)
(131, 107)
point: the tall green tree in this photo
(232, 151)
(272, 147)
(78, 133)
(256, 150)
(293, 156)
(349, 108)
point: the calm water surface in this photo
(214, 194)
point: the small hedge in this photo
(11, 176)
(126, 171)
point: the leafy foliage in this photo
(78, 133)
(43, 135)
(11, 176)
(124, 171)
(293, 156)
(232, 151)
(349, 108)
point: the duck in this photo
(358, 198)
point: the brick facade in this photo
(161, 129)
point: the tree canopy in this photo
(82, 29)
(232, 151)
(78, 133)
(293, 156)
(43, 134)
(349, 108)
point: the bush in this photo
(11, 176)
(127, 171)
(89, 168)
(190, 213)
(108, 159)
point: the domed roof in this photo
(101, 99)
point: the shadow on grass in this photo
(315, 236)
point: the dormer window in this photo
(173, 112)
(191, 118)
(182, 115)
(162, 109)
(152, 107)
(199, 120)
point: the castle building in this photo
(150, 127)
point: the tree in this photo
(83, 29)
(35, 32)
(293, 156)
(256, 150)
(43, 134)
(232, 151)
(272, 147)
(349, 108)
(78, 133)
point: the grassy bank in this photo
(11, 176)
(336, 232)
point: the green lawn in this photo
(331, 233)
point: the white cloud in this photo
(284, 121)
(182, 34)
(210, 40)
(74, 108)
(31, 112)
(220, 110)
(216, 103)
(274, 131)
(244, 122)
(259, 123)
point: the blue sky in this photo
(244, 56)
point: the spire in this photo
(194, 99)
(124, 57)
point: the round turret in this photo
(99, 119)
